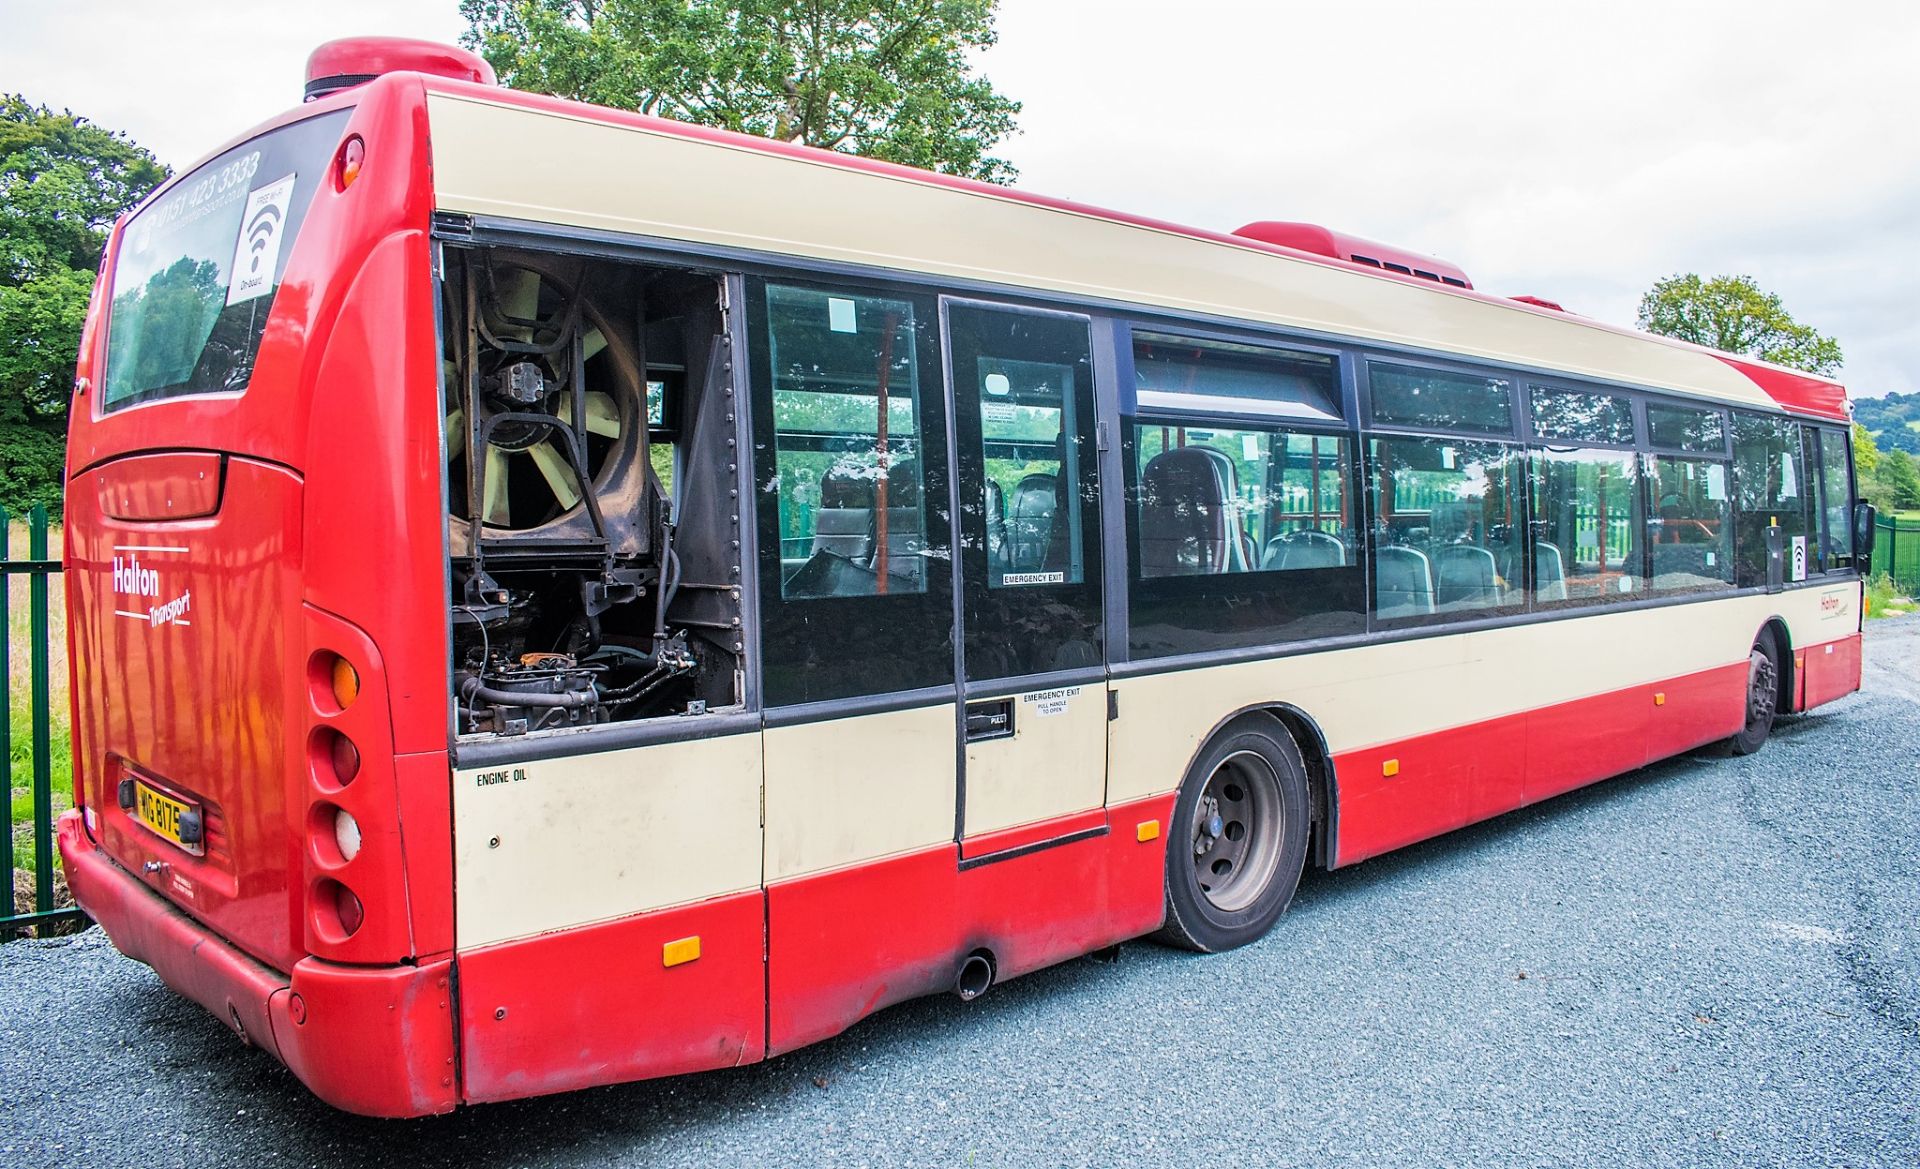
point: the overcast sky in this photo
(1576, 152)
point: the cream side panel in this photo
(1385, 693)
(627, 179)
(1054, 763)
(859, 788)
(592, 837)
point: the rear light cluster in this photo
(355, 905)
(333, 835)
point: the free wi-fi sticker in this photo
(256, 257)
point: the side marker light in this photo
(1390, 767)
(1148, 830)
(680, 951)
(1659, 698)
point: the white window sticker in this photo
(256, 256)
(998, 385)
(1446, 458)
(1716, 482)
(1047, 703)
(1033, 578)
(1250, 447)
(1799, 559)
(840, 315)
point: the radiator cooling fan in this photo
(537, 350)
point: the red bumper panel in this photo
(601, 1004)
(373, 1040)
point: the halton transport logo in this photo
(137, 582)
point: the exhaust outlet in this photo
(974, 976)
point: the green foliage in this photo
(1894, 421)
(887, 79)
(1866, 456)
(1894, 483)
(1731, 313)
(62, 182)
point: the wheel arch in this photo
(1323, 784)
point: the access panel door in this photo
(1028, 504)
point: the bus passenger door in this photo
(1035, 728)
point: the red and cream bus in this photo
(560, 597)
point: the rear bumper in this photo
(375, 1040)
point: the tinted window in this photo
(1449, 526)
(1771, 486)
(1586, 505)
(1184, 373)
(1690, 523)
(1684, 428)
(1413, 396)
(1836, 500)
(1215, 500)
(1239, 536)
(850, 470)
(197, 270)
(856, 576)
(1578, 416)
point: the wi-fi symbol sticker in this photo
(259, 234)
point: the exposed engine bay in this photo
(585, 589)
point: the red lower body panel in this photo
(1828, 671)
(843, 944)
(1399, 793)
(376, 1040)
(599, 1004)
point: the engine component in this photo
(534, 692)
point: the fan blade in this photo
(603, 417)
(558, 473)
(456, 427)
(592, 343)
(496, 511)
(519, 292)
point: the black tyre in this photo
(1763, 697)
(1238, 840)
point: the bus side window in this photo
(1586, 507)
(1449, 526)
(856, 587)
(847, 445)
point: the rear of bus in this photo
(254, 570)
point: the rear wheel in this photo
(1763, 698)
(1238, 840)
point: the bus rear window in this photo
(197, 269)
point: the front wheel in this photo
(1763, 699)
(1238, 840)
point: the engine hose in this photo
(472, 688)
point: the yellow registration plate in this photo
(162, 813)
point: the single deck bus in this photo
(560, 597)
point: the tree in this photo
(1895, 482)
(1865, 455)
(1731, 313)
(887, 79)
(62, 182)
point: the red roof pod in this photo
(352, 61)
(1537, 302)
(1322, 241)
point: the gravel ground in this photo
(1709, 962)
